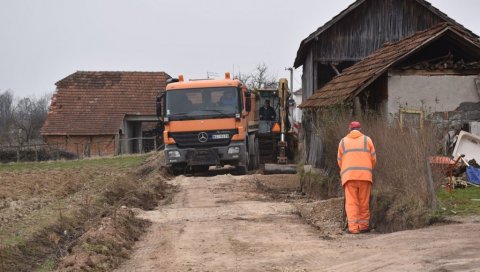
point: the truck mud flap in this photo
(202, 157)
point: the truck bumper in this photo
(232, 154)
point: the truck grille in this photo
(203, 138)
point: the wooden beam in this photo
(339, 60)
(414, 72)
(334, 68)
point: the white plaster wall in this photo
(430, 93)
(297, 113)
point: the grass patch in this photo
(459, 201)
(48, 265)
(318, 185)
(73, 198)
(126, 161)
(99, 249)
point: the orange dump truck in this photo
(209, 123)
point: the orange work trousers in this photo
(357, 201)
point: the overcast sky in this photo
(44, 41)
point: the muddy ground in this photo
(54, 212)
(98, 215)
(258, 223)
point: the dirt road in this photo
(224, 223)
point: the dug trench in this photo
(261, 223)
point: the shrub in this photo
(401, 195)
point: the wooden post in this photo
(115, 146)
(76, 147)
(334, 68)
(36, 152)
(18, 154)
(357, 107)
(430, 186)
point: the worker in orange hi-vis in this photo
(356, 159)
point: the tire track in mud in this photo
(223, 223)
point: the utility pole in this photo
(291, 78)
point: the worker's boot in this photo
(347, 231)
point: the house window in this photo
(411, 118)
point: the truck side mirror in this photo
(159, 106)
(248, 101)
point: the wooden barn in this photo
(358, 31)
(434, 73)
(435, 70)
(103, 113)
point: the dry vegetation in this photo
(402, 196)
(75, 209)
(324, 215)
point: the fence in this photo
(78, 150)
(33, 152)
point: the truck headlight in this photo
(234, 150)
(173, 154)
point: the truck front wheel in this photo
(242, 168)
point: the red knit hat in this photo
(354, 125)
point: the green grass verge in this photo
(460, 201)
(116, 162)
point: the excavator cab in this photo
(277, 141)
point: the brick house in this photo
(94, 113)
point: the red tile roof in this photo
(95, 103)
(357, 77)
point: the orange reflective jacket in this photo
(356, 157)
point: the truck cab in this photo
(208, 123)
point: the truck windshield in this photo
(202, 103)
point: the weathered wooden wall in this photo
(362, 31)
(307, 75)
(368, 27)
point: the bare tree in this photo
(29, 116)
(260, 78)
(6, 108)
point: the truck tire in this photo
(242, 169)
(252, 160)
(257, 154)
(176, 171)
(201, 169)
(255, 157)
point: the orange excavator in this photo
(277, 141)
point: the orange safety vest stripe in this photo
(356, 159)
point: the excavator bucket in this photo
(273, 168)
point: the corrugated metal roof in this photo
(355, 78)
(95, 103)
(306, 43)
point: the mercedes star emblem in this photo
(202, 137)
